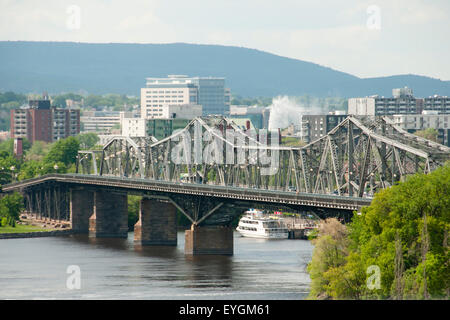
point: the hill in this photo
(122, 68)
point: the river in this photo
(37, 268)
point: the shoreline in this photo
(36, 234)
(54, 228)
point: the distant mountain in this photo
(122, 68)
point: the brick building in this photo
(40, 121)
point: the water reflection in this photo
(209, 271)
(120, 269)
(166, 252)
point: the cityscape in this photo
(153, 172)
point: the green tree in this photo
(430, 134)
(10, 207)
(403, 232)
(133, 211)
(63, 151)
(88, 140)
(37, 151)
(9, 167)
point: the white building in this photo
(183, 90)
(102, 121)
(137, 127)
(422, 121)
(428, 119)
(134, 127)
(184, 111)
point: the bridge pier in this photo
(157, 224)
(110, 215)
(209, 240)
(81, 208)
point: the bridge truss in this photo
(357, 158)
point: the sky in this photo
(363, 38)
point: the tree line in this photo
(396, 248)
(39, 159)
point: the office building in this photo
(162, 128)
(209, 92)
(102, 121)
(139, 127)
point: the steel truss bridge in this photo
(211, 169)
(357, 158)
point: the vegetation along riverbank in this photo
(397, 248)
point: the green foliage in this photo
(133, 211)
(292, 142)
(116, 101)
(260, 101)
(9, 100)
(63, 151)
(37, 151)
(6, 162)
(88, 140)
(8, 146)
(329, 252)
(399, 210)
(10, 207)
(60, 100)
(429, 133)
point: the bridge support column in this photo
(209, 240)
(157, 223)
(110, 215)
(81, 208)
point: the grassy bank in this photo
(22, 228)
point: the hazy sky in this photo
(364, 38)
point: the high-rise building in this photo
(426, 120)
(209, 92)
(40, 121)
(314, 127)
(402, 102)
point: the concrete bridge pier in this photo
(110, 215)
(157, 224)
(200, 240)
(81, 208)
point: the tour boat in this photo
(253, 224)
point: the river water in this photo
(37, 268)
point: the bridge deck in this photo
(227, 192)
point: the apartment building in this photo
(39, 121)
(401, 102)
(314, 127)
(426, 120)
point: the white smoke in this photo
(285, 111)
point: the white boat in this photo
(255, 225)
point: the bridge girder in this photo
(357, 158)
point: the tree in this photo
(330, 251)
(37, 151)
(10, 207)
(63, 151)
(429, 134)
(133, 211)
(403, 233)
(7, 162)
(88, 140)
